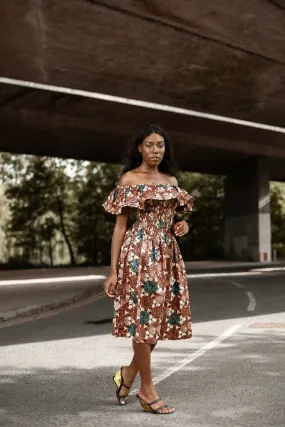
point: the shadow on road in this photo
(228, 386)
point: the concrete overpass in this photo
(225, 58)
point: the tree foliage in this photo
(277, 207)
(41, 203)
(93, 228)
(56, 215)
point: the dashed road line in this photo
(239, 285)
(251, 297)
(252, 301)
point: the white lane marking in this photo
(252, 301)
(179, 365)
(101, 276)
(239, 285)
(205, 275)
(51, 280)
(20, 320)
(140, 103)
(251, 297)
(269, 269)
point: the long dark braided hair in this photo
(133, 158)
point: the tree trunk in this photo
(64, 233)
(95, 246)
(50, 251)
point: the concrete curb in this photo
(47, 308)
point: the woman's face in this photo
(152, 149)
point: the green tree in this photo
(27, 203)
(41, 202)
(93, 226)
(62, 193)
(277, 208)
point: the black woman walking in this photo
(147, 275)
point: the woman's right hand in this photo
(110, 284)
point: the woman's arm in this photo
(179, 227)
(117, 238)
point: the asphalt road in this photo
(57, 371)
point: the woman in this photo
(147, 275)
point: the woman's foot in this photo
(123, 379)
(158, 406)
(128, 377)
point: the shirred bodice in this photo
(157, 215)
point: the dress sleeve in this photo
(186, 202)
(121, 197)
(135, 196)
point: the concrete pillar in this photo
(247, 212)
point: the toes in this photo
(166, 411)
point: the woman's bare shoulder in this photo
(128, 178)
(173, 180)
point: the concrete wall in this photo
(247, 212)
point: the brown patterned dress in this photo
(152, 299)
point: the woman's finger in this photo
(185, 230)
(111, 295)
(181, 228)
(111, 292)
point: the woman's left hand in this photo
(181, 228)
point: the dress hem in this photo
(152, 340)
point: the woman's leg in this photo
(130, 372)
(143, 363)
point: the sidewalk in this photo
(28, 292)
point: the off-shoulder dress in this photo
(152, 298)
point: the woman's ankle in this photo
(132, 372)
(148, 389)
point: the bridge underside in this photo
(48, 123)
(198, 55)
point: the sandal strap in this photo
(159, 409)
(152, 403)
(124, 385)
(122, 379)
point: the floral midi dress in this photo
(151, 298)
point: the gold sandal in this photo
(147, 407)
(119, 381)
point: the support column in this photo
(247, 212)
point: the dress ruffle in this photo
(135, 196)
